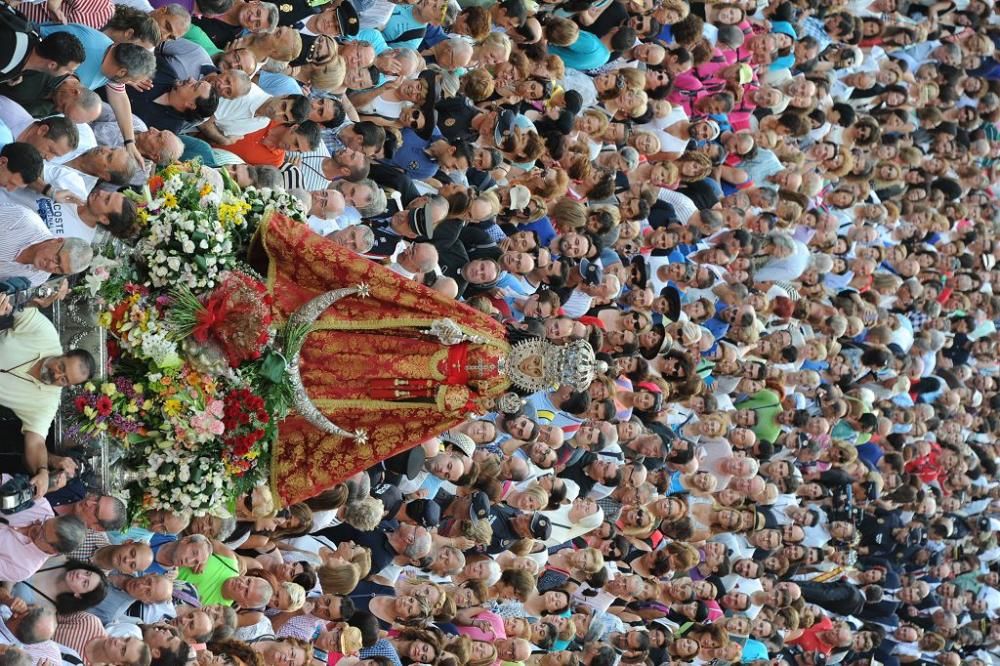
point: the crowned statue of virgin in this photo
(387, 362)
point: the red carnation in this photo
(104, 405)
(80, 403)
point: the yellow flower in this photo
(147, 404)
(108, 388)
(171, 171)
(169, 201)
(232, 213)
(89, 412)
(102, 426)
(104, 321)
(89, 386)
(138, 388)
(205, 191)
(143, 215)
(172, 407)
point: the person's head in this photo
(61, 534)
(115, 211)
(70, 369)
(161, 146)
(119, 651)
(258, 16)
(62, 256)
(195, 99)
(346, 163)
(60, 52)
(302, 138)
(52, 137)
(166, 644)
(149, 589)
(356, 238)
(128, 63)
(364, 195)
(20, 164)
(37, 625)
(114, 165)
(248, 591)
(101, 513)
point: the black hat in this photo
(505, 125)
(541, 528)
(425, 512)
(638, 262)
(479, 506)
(454, 117)
(427, 108)
(347, 16)
(419, 220)
(408, 464)
(673, 297)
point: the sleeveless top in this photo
(218, 570)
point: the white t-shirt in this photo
(87, 141)
(235, 117)
(61, 219)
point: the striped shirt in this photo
(76, 630)
(93, 13)
(20, 228)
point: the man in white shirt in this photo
(414, 259)
(67, 215)
(53, 137)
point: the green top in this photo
(767, 404)
(209, 582)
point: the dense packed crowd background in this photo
(775, 222)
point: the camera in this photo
(17, 494)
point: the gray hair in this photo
(125, 175)
(228, 626)
(821, 263)
(173, 148)
(178, 11)
(28, 629)
(198, 538)
(88, 99)
(227, 526)
(631, 156)
(378, 203)
(80, 254)
(243, 79)
(118, 519)
(451, 12)
(70, 532)
(459, 560)
(266, 592)
(272, 15)
(265, 176)
(15, 656)
(430, 262)
(364, 514)
(367, 240)
(137, 61)
(419, 547)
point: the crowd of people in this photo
(775, 222)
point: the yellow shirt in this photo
(33, 337)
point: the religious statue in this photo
(387, 363)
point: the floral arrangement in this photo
(198, 381)
(117, 408)
(175, 478)
(245, 420)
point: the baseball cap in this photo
(347, 17)
(425, 512)
(519, 197)
(591, 272)
(479, 506)
(505, 124)
(541, 528)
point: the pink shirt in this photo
(20, 558)
(477, 634)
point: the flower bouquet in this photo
(246, 422)
(118, 408)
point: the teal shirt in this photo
(95, 45)
(401, 23)
(587, 52)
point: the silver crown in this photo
(573, 364)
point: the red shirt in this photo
(253, 151)
(809, 640)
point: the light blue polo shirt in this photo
(95, 45)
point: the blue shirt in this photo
(403, 29)
(155, 543)
(278, 84)
(587, 52)
(95, 46)
(412, 158)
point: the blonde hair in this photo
(501, 40)
(561, 32)
(341, 578)
(569, 213)
(296, 596)
(330, 76)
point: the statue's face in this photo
(532, 366)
